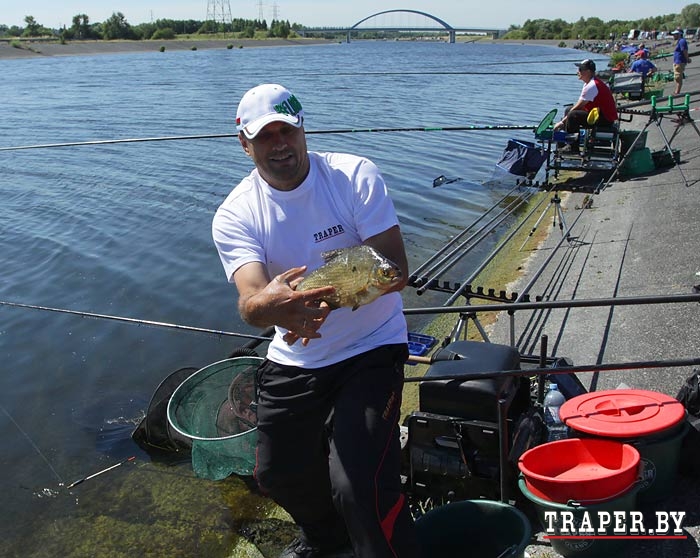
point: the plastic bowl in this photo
(580, 469)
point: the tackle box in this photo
(419, 344)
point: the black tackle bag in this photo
(689, 396)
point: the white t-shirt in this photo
(342, 202)
(589, 91)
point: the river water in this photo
(124, 230)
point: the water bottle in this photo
(553, 400)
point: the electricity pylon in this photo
(219, 11)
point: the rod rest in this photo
(670, 107)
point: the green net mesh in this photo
(215, 407)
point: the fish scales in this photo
(359, 274)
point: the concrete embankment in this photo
(34, 49)
(638, 237)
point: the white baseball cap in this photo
(267, 103)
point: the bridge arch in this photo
(446, 25)
(434, 18)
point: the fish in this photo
(359, 274)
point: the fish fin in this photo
(356, 306)
(331, 254)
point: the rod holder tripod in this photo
(555, 206)
(656, 115)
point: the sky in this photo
(337, 13)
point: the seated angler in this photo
(595, 94)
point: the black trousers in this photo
(577, 119)
(329, 453)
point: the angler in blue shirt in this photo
(680, 59)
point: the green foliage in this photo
(690, 15)
(82, 29)
(13, 31)
(208, 27)
(617, 57)
(34, 29)
(164, 34)
(280, 29)
(116, 27)
(162, 48)
(516, 35)
(595, 28)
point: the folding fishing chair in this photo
(602, 141)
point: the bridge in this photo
(437, 26)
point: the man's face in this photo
(280, 154)
(584, 74)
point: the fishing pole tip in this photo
(79, 481)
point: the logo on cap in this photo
(290, 106)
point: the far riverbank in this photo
(39, 48)
(35, 49)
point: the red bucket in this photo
(580, 469)
(654, 423)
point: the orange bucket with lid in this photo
(653, 422)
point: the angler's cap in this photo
(586, 65)
(267, 103)
(677, 31)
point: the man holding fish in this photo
(312, 243)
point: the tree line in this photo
(117, 27)
(594, 28)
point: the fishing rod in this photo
(543, 304)
(484, 128)
(673, 363)
(451, 259)
(102, 472)
(453, 73)
(31, 442)
(136, 321)
(418, 277)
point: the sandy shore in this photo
(36, 49)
